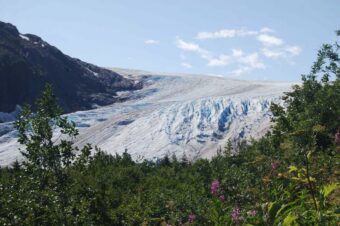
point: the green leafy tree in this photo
(313, 108)
(36, 132)
(47, 139)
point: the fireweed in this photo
(191, 218)
(236, 214)
(215, 186)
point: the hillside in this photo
(27, 62)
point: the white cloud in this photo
(286, 52)
(273, 54)
(221, 60)
(186, 65)
(244, 62)
(269, 40)
(225, 33)
(151, 42)
(192, 47)
(266, 30)
(231, 33)
(187, 46)
(238, 57)
(273, 47)
(237, 52)
(251, 60)
(293, 50)
(240, 71)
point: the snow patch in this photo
(24, 37)
(92, 72)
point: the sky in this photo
(253, 39)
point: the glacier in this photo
(174, 114)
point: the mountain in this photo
(27, 62)
(191, 115)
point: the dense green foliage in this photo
(288, 177)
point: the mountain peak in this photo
(27, 62)
(8, 28)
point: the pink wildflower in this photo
(252, 213)
(235, 214)
(275, 165)
(191, 218)
(222, 198)
(215, 186)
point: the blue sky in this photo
(254, 39)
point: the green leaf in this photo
(328, 189)
(273, 207)
(292, 169)
(289, 219)
(287, 207)
(319, 128)
(309, 155)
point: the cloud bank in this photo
(271, 47)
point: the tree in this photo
(36, 133)
(312, 116)
(49, 155)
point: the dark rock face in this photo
(27, 63)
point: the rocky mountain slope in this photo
(192, 115)
(27, 62)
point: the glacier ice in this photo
(190, 115)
